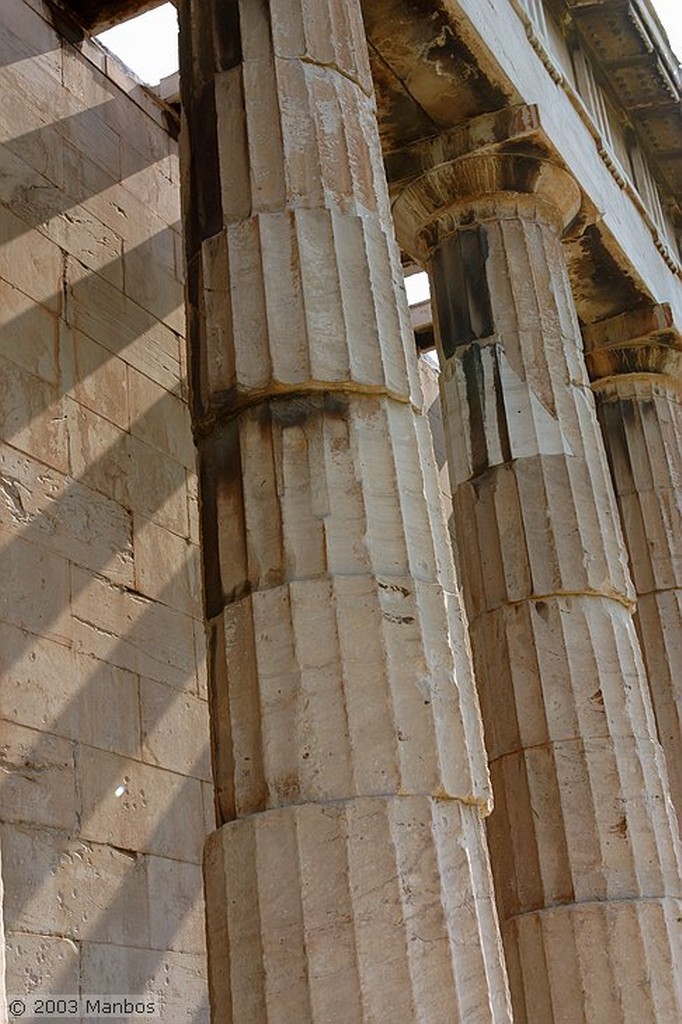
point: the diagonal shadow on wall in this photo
(69, 177)
(93, 304)
(118, 472)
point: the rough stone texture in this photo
(583, 839)
(3, 959)
(101, 634)
(635, 363)
(347, 734)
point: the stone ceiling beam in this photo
(98, 15)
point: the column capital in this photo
(643, 341)
(493, 166)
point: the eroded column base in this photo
(358, 911)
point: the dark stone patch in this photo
(601, 287)
(450, 50)
(502, 425)
(542, 608)
(461, 287)
(473, 373)
(205, 161)
(210, 546)
(64, 25)
(227, 45)
(521, 174)
(296, 410)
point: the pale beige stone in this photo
(132, 632)
(107, 316)
(107, 707)
(175, 730)
(365, 909)
(55, 511)
(152, 281)
(93, 378)
(583, 814)
(157, 812)
(175, 906)
(91, 299)
(636, 363)
(176, 981)
(33, 264)
(3, 947)
(29, 336)
(167, 567)
(38, 778)
(339, 664)
(48, 687)
(159, 419)
(35, 590)
(32, 411)
(112, 461)
(41, 963)
(78, 890)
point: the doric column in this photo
(3, 961)
(349, 879)
(583, 838)
(635, 363)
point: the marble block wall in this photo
(105, 794)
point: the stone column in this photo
(3, 959)
(349, 879)
(635, 363)
(583, 838)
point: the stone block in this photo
(38, 778)
(112, 319)
(35, 590)
(25, 35)
(131, 632)
(175, 730)
(87, 130)
(109, 460)
(176, 980)
(154, 185)
(201, 658)
(31, 262)
(157, 487)
(107, 706)
(176, 906)
(64, 886)
(193, 508)
(160, 419)
(47, 687)
(167, 567)
(208, 797)
(156, 812)
(99, 451)
(93, 377)
(41, 963)
(32, 412)
(38, 687)
(151, 279)
(29, 336)
(30, 130)
(66, 517)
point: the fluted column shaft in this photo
(583, 841)
(635, 363)
(349, 881)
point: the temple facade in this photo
(341, 642)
